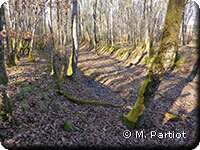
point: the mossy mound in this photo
(31, 59)
(67, 127)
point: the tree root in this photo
(80, 101)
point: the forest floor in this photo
(40, 110)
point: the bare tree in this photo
(95, 21)
(71, 71)
(50, 23)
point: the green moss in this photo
(113, 129)
(2, 10)
(2, 111)
(178, 65)
(131, 79)
(122, 52)
(152, 52)
(24, 93)
(130, 125)
(81, 67)
(18, 83)
(31, 59)
(24, 105)
(43, 66)
(134, 54)
(91, 44)
(1, 105)
(63, 108)
(70, 67)
(129, 64)
(18, 97)
(49, 67)
(79, 101)
(143, 46)
(86, 72)
(26, 89)
(105, 48)
(147, 60)
(79, 115)
(15, 127)
(2, 115)
(44, 43)
(56, 48)
(30, 56)
(45, 96)
(61, 76)
(41, 104)
(171, 116)
(10, 65)
(16, 59)
(41, 43)
(67, 126)
(139, 107)
(112, 49)
(33, 79)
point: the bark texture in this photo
(75, 42)
(3, 76)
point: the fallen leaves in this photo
(41, 115)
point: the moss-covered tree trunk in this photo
(30, 54)
(162, 61)
(75, 42)
(3, 75)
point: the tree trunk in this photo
(30, 56)
(183, 30)
(58, 31)
(3, 76)
(95, 22)
(111, 23)
(10, 56)
(171, 30)
(53, 67)
(71, 71)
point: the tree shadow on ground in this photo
(172, 94)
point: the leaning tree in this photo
(162, 61)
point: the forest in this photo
(99, 73)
